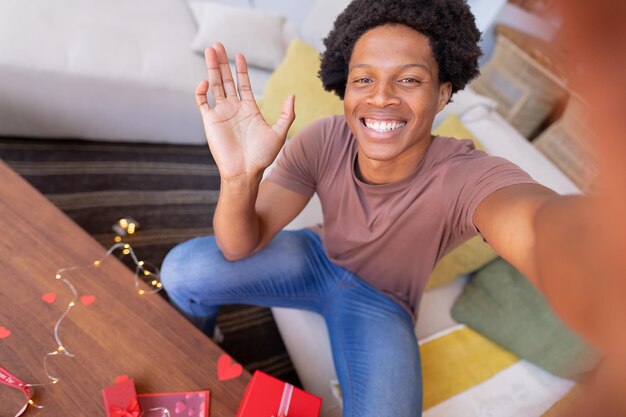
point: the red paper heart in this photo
(227, 368)
(4, 332)
(87, 299)
(49, 297)
(121, 378)
(180, 407)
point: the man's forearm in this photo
(568, 255)
(235, 223)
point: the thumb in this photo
(287, 116)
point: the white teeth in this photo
(383, 127)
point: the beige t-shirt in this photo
(391, 235)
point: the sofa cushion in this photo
(502, 305)
(297, 74)
(464, 101)
(257, 34)
(467, 375)
(121, 40)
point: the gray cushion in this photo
(501, 304)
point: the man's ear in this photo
(445, 90)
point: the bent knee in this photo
(183, 263)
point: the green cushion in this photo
(501, 304)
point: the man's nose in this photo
(383, 95)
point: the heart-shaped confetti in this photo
(180, 407)
(49, 298)
(4, 332)
(88, 299)
(121, 378)
(227, 368)
(191, 412)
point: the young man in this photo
(395, 198)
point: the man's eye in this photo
(362, 81)
(410, 81)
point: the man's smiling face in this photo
(392, 95)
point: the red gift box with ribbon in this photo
(120, 400)
(267, 396)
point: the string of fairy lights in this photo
(149, 274)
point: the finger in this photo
(227, 76)
(287, 116)
(215, 76)
(201, 99)
(243, 79)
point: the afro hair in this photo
(448, 24)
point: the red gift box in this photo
(267, 396)
(120, 400)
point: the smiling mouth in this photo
(382, 126)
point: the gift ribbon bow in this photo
(285, 401)
(7, 379)
(131, 411)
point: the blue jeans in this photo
(372, 338)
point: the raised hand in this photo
(241, 141)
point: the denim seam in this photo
(327, 304)
(220, 300)
(348, 373)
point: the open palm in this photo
(241, 141)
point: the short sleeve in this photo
(296, 166)
(468, 181)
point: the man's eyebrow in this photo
(423, 66)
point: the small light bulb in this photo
(31, 402)
(125, 251)
(140, 263)
(61, 349)
(159, 285)
(55, 381)
(141, 292)
(117, 239)
(58, 276)
(96, 263)
(126, 246)
(146, 272)
(154, 282)
(131, 228)
(72, 304)
(124, 223)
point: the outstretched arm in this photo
(243, 145)
(506, 219)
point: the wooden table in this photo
(120, 333)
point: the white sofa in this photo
(120, 70)
(123, 70)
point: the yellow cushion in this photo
(452, 127)
(473, 254)
(297, 74)
(458, 361)
(464, 259)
